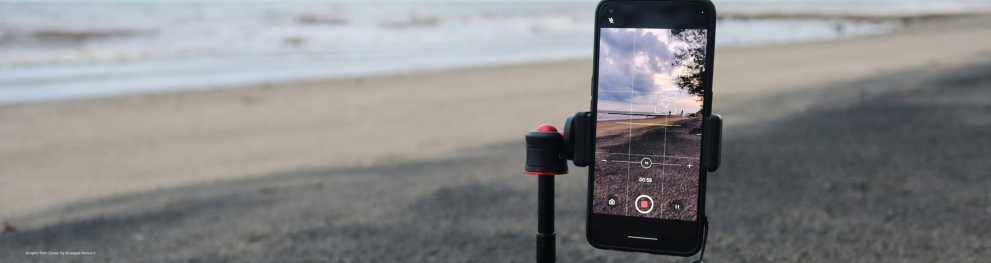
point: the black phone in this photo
(651, 91)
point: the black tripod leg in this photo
(545, 219)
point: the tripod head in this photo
(548, 151)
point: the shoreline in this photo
(908, 21)
(110, 70)
(59, 153)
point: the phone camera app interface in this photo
(649, 122)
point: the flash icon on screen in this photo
(610, 20)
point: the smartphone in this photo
(651, 91)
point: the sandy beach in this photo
(670, 148)
(60, 153)
(869, 149)
(829, 184)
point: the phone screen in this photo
(648, 122)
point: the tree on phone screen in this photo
(691, 59)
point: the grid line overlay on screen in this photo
(629, 142)
(637, 106)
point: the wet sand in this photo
(872, 181)
(55, 155)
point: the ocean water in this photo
(56, 50)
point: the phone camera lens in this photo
(610, 11)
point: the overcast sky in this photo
(635, 72)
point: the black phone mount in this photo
(548, 151)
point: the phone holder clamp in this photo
(548, 151)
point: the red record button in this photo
(644, 204)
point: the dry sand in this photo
(52, 154)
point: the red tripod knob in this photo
(545, 151)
